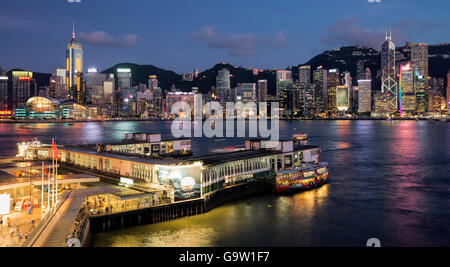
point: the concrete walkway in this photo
(55, 231)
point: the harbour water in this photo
(388, 180)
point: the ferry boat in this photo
(310, 175)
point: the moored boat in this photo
(309, 175)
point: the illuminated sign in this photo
(152, 77)
(3, 77)
(186, 180)
(124, 70)
(24, 78)
(406, 67)
(92, 70)
(5, 204)
(22, 74)
(332, 71)
(5, 112)
(126, 181)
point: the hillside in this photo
(344, 59)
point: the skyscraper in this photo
(364, 96)
(262, 90)
(342, 98)
(152, 82)
(23, 86)
(304, 74)
(419, 60)
(246, 92)
(332, 84)
(389, 79)
(406, 89)
(320, 88)
(308, 99)
(4, 92)
(284, 80)
(420, 89)
(74, 68)
(223, 85)
(448, 92)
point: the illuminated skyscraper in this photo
(304, 74)
(223, 85)
(420, 89)
(246, 92)
(364, 96)
(23, 86)
(389, 79)
(342, 98)
(74, 68)
(320, 88)
(262, 90)
(332, 84)
(4, 92)
(406, 89)
(284, 80)
(448, 92)
(419, 60)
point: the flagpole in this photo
(48, 192)
(53, 173)
(42, 190)
(56, 180)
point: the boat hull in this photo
(300, 179)
(298, 188)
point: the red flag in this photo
(54, 146)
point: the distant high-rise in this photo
(332, 84)
(152, 82)
(94, 87)
(262, 90)
(196, 73)
(419, 60)
(320, 89)
(420, 90)
(74, 68)
(284, 80)
(23, 86)
(360, 72)
(309, 107)
(364, 96)
(388, 69)
(223, 85)
(4, 92)
(406, 89)
(246, 92)
(448, 92)
(342, 98)
(304, 74)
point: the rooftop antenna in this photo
(73, 30)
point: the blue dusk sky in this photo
(181, 35)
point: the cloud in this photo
(351, 32)
(237, 45)
(103, 38)
(9, 21)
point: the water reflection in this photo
(388, 180)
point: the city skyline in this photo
(187, 42)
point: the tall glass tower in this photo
(389, 80)
(74, 68)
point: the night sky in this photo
(181, 35)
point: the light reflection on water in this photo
(389, 180)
